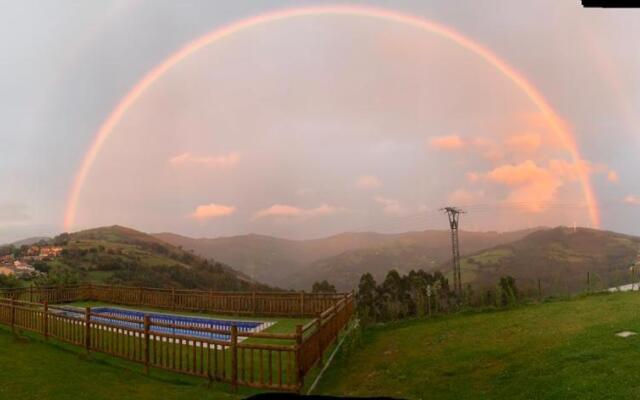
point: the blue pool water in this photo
(154, 317)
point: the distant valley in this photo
(341, 258)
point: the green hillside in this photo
(558, 350)
(425, 250)
(559, 257)
(33, 369)
(119, 255)
(341, 258)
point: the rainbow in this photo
(555, 123)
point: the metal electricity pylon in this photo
(454, 217)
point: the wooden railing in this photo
(277, 304)
(273, 361)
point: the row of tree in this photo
(419, 293)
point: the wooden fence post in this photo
(299, 366)
(173, 298)
(31, 293)
(210, 304)
(254, 302)
(539, 290)
(320, 346)
(234, 357)
(45, 321)
(13, 315)
(146, 343)
(87, 329)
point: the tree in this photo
(41, 266)
(508, 290)
(367, 300)
(323, 287)
(396, 298)
(58, 278)
(8, 281)
(61, 240)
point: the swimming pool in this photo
(105, 315)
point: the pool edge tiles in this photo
(176, 319)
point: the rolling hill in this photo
(121, 255)
(29, 241)
(340, 258)
(559, 257)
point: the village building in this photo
(50, 251)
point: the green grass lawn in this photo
(54, 370)
(32, 369)
(557, 350)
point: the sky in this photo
(310, 126)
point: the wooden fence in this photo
(276, 304)
(273, 361)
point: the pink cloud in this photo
(463, 196)
(520, 174)
(208, 211)
(287, 211)
(221, 161)
(524, 143)
(473, 177)
(389, 206)
(448, 143)
(613, 176)
(368, 182)
(632, 199)
(572, 171)
(531, 184)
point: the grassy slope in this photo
(31, 369)
(554, 350)
(121, 255)
(559, 257)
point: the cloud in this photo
(389, 206)
(519, 174)
(448, 143)
(368, 182)
(465, 197)
(531, 184)
(572, 171)
(221, 161)
(612, 176)
(632, 199)
(287, 211)
(13, 212)
(473, 176)
(209, 211)
(304, 192)
(524, 143)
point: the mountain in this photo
(413, 250)
(341, 258)
(560, 258)
(29, 241)
(120, 255)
